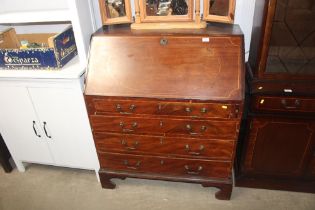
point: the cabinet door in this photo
(64, 120)
(279, 147)
(20, 127)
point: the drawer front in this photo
(185, 109)
(160, 126)
(186, 147)
(166, 166)
(284, 104)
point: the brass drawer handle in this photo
(135, 167)
(127, 130)
(191, 172)
(134, 147)
(191, 132)
(188, 149)
(297, 104)
(131, 108)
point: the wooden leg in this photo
(5, 156)
(225, 190)
(106, 180)
(6, 165)
(224, 193)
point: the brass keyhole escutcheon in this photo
(163, 42)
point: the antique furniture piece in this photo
(166, 104)
(279, 150)
(5, 156)
(115, 11)
(219, 10)
(43, 117)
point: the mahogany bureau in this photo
(166, 104)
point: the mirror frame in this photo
(144, 18)
(118, 20)
(217, 18)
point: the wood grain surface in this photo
(178, 127)
(166, 66)
(167, 146)
(166, 165)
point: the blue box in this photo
(61, 48)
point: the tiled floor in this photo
(45, 187)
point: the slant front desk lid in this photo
(205, 64)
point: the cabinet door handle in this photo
(35, 131)
(46, 130)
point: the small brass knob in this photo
(203, 128)
(188, 109)
(203, 110)
(132, 107)
(118, 107)
(134, 125)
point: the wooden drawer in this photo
(167, 146)
(159, 126)
(185, 109)
(283, 104)
(166, 166)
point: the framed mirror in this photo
(166, 10)
(115, 11)
(219, 10)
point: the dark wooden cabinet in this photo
(282, 44)
(277, 151)
(279, 146)
(5, 156)
(167, 105)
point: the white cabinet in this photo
(43, 118)
(20, 125)
(59, 111)
(46, 125)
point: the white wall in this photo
(19, 5)
(244, 14)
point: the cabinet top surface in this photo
(213, 29)
(201, 64)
